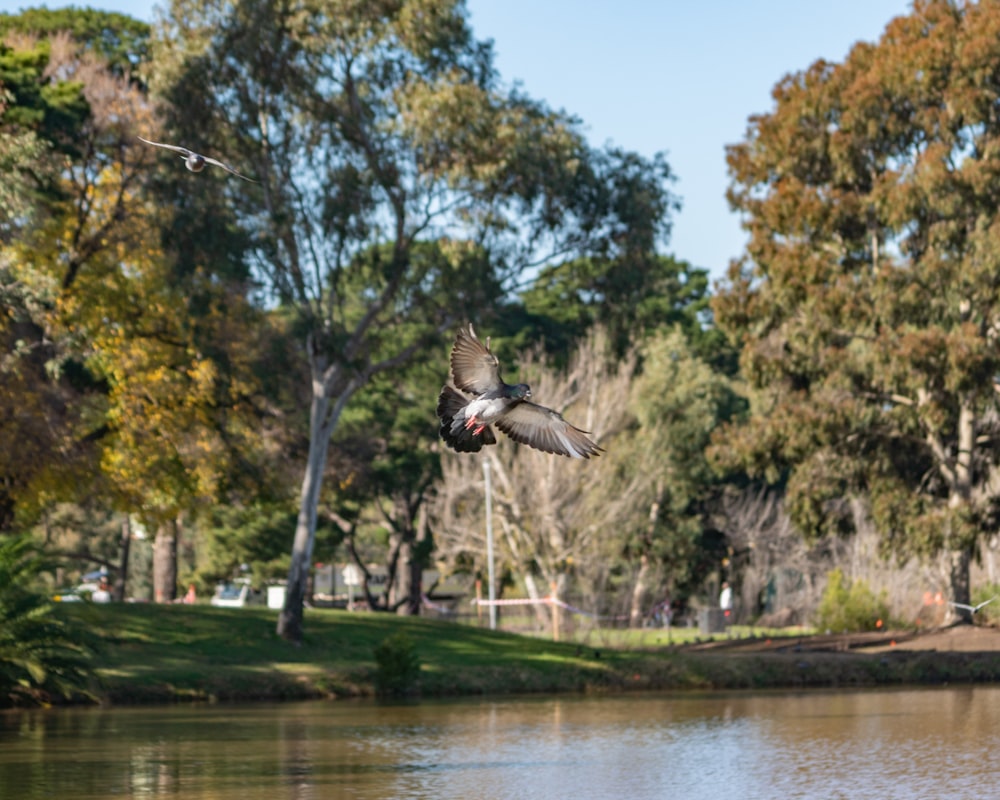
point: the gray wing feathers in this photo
(474, 367)
(182, 150)
(546, 430)
(227, 168)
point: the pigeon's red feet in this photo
(471, 423)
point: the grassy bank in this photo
(168, 653)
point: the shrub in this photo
(397, 665)
(850, 606)
(39, 654)
(989, 613)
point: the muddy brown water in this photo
(924, 743)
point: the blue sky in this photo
(660, 75)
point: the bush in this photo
(39, 655)
(850, 606)
(990, 613)
(397, 666)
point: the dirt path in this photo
(960, 638)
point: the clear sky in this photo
(680, 76)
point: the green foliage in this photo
(54, 108)
(256, 535)
(120, 40)
(677, 400)
(40, 655)
(397, 665)
(989, 613)
(631, 296)
(850, 606)
(22, 157)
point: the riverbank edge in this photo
(633, 672)
(153, 654)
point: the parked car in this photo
(77, 594)
(237, 594)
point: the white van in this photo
(237, 594)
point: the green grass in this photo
(644, 638)
(154, 652)
(158, 653)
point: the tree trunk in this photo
(639, 592)
(406, 592)
(290, 618)
(122, 582)
(541, 611)
(958, 577)
(556, 589)
(165, 563)
(960, 557)
(413, 553)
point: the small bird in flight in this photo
(196, 161)
(973, 609)
(465, 422)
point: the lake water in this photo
(929, 743)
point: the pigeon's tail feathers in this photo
(450, 404)
(456, 435)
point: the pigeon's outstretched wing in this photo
(227, 168)
(546, 430)
(182, 150)
(973, 609)
(474, 367)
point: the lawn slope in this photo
(157, 653)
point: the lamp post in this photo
(491, 592)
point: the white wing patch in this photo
(568, 446)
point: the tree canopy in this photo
(402, 187)
(869, 300)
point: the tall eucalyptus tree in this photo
(868, 304)
(402, 186)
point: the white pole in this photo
(489, 544)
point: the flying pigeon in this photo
(465, 422)
(973, 609)
(195, 161)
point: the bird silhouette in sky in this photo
(466, 421)
(196, 161)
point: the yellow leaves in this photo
(162, 446)
(427, 25)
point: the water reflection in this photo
(903, 744)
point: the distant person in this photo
(726, 600)
(191, 597)
(665, 612)
(102, 594)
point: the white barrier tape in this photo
(518, 602)
(544, 601)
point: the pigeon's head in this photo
(520, 392)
